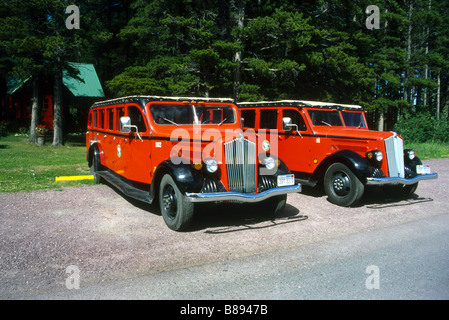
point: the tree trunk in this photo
(409, 52)
(446, 104)
(438, 97)
(35, 108)
(426, 67)
(57, 118)
(380, 126)
(240, 16)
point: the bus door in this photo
(138, 162)
(295, 142)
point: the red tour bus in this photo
(330, 143)
(180, 151)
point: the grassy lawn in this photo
(25, 166)
(429, 150)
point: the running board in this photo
(126, 188)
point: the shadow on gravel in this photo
(232, 217)
(150, 208)
(373, 198)
(227, 217)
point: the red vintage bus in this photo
(180, 151)
(330, 143)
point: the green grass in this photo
(26, 167)
(430, 150)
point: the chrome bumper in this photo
(397, 180)
(242, 197)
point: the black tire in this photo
(342, 186)
(177, 214)
(271, 207)
(400, 190)
(94, 168)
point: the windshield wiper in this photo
(222, 121)
(327, 124)
(169, 121)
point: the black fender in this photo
(410, 165)
(187, 178)
(355, 162)
(95, 151)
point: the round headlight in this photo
(379, 156)
(269, 163)
(411, 154)
(211, 165)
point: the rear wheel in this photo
(176, 212)
(95, 167)
(342, 186)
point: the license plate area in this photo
(286, 180)
(423, 169)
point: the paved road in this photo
(407, 261)
(116, 248)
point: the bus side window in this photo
(268, 119)
(120, 112)
(110, 113)
(101, 118)
(90, 120)
(249, 118)
(137, 118)
(296, 118)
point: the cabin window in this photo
(249, 118)
(268, 119)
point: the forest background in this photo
(249, 50)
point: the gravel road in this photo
(109, 237)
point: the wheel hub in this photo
(341, 184)
(170, 201)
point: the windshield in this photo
(192, 114)
(325, 118)
(354, 119)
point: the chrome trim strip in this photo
(382, 181)
(237, 196)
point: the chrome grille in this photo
(240, 157)
(395, 156)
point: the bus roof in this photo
(300, 103)
(146, 99)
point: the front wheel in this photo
(273, 206)
(176, 212)
(342, 186)
(400, 190)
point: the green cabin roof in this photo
(88, 86)
(84, 84)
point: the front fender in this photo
(187, 179)
(355, 162)
(95, 151)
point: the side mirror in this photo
(287, 124)
(125, 124)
